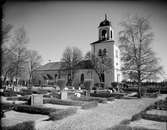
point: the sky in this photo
(53, 26)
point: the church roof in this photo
(84, 64)
(52, 66)
(101, 41)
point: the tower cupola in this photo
(105, 30)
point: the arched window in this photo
(104, 52)
(102, 77)
(49, 76)
(100, 52)
(82, 78)
(111, 34)
(55, 76)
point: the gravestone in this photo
(36, 99)
(64, 95)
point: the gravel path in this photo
(100, 118)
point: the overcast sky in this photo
(52, 26)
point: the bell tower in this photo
(105, 46)
(105, 30)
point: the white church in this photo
(105, 44)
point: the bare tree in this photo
(139, 59)
(87, 56)
(71, 57)
(7, 56)
(100, 64)
(6, 29)
(20, 52)
(34, 60)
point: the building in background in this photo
(52, 71)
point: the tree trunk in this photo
(139, 90)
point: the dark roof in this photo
(84, 64)
(50, 66)
(105, 22)
(102, 41)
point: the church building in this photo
(104, 46)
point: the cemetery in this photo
(51, 104)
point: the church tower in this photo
(105, 30)
(105, 46)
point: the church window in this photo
(55, 76)
(100, 52)
(104, 52)
(49, 76)
(82, 78)
(111, 34)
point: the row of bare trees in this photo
(17, 60)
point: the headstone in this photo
(87, 93)
(65, 88)
(36, 100)
(77, 94)
(64, 95)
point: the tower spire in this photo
(105, 16)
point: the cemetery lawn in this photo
(101, 117)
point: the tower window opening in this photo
(104, 34)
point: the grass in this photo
(28, 125)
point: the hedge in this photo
(83, 104)
(154, 117)
(107, 95)
(8, 93)
(28, 125)
(29, 109)
(89, 105)
(62, 102)
(40, 91)
(126, 127)
(101, 94)
(89, 99)
(23, 98)
(62, 113)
